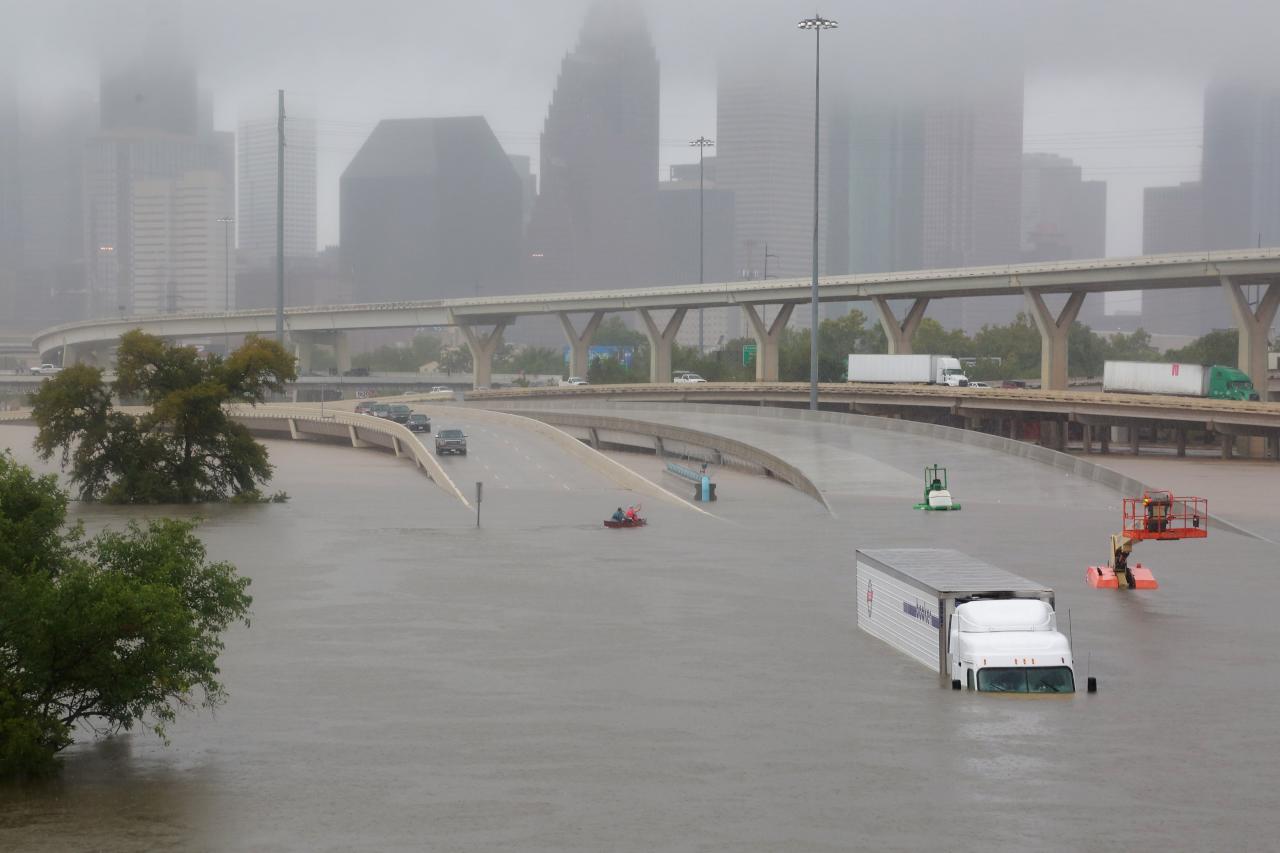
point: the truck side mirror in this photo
(955, 684)
(1092, 684)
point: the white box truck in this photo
(977, 626)
(1180, 380)
(931, 369)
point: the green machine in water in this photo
(937, 497)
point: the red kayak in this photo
(639, 522)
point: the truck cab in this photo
(1009, 645)
(1229, 383)
(950, 372)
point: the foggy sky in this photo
(1115, 85)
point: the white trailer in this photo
(915, 369)
(976, 625)
(1184, 380)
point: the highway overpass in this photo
(483, 320)
(1002, 411)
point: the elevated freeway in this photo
(482, 320)
(998, 410)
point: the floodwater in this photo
(411, 682)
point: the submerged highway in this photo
(412, 682)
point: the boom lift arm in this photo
(1156, 515)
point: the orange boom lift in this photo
(1156, 515)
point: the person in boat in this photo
(619, 515)
(633, 514)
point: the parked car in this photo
(575, 380)
(418, 422)
(441, 389)
(398, 412)
(1013, 383)
(979, 385)
(357, 371)
(365, 407)
(688, 378)
(45, 370)
(378, 410)
(451, 441)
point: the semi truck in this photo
(979, 627)
(931, 369)
(1181, 380)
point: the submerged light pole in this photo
(817, 23)
(226, 276)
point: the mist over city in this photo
(1110, 96)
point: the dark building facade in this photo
(1240, 170)
(595, 220)
(1173, 221)
(430, 209)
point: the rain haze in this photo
(1118, 87)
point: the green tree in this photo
(424, 349)
(1132, 347)
(1218, 347)
(931, 338)
(1017, 345)
(186, 448)
(115, 631)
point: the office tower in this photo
(256, 144)
(876, 186)
(1173, 221)
(1240, 169)
(431, 209)
(764, 156)
(10, 206)
(678, 246)
(528, 186)
(1063, 216)
(595, 220)
(972, 190)
(51, 268)
(179, 252)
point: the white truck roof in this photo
(1007, 614)
(947, 572)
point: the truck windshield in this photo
(1017, 679)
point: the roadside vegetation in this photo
(99, 635)
(183, 447)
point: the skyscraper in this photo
(1063, 216)
(178, 247)
(10, 209)
(595, 220)
(764, 156)
(256, 166)
(1173, 220)
(1241, 164)
(431, 209)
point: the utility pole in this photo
(280, 223)
(702, 142)
(226, 275)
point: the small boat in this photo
(639, 522)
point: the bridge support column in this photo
(482, 349)
(900, 334)
(304, 345)
(71, 355)
(1181, 433)
(767, 339)
(1086, 438)
(1053, 337)
(1254, 326)
(580, 343)
(660, 341)
(342, 352)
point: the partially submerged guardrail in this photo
(703, 488)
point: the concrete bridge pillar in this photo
(72, 354)
(898, 333)
(767, 339)
(660, 341)
(482, 347)
(304, 344)
(580, 343)
(1054, 331)
(1254, 326)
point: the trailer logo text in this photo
(921, 613)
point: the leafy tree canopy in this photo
(111, 632)
(185, 448)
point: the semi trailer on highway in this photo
(978, 626)
(1180, 380)
(915, 369)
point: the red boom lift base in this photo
(1156, 515)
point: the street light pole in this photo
(817, 23)
(702, 142)
(226, 274)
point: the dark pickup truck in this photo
(451, 441)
